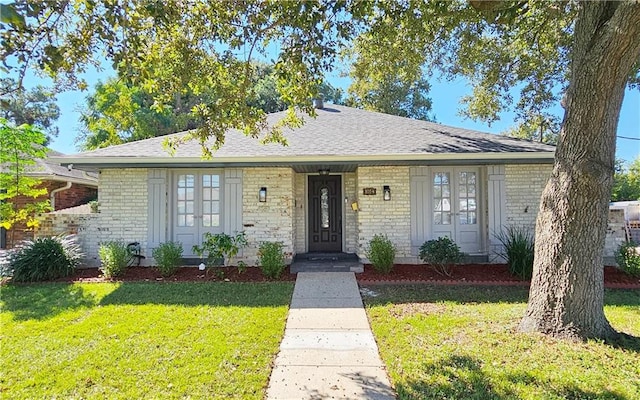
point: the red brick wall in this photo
(74, 196)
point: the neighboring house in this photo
(345, 176)
(65, 188)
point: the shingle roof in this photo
(48, 169)
(338, 131)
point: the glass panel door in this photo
(467, 214)
(441, 198)
(186, 200)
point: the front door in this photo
(196, 208)
(325, 213)
(454, 201)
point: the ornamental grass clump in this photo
(168, 257)
(114, 257)
(381, 253)
(441, 254)
(45, 258)
(518, 248)
(271, 259)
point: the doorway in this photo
(325, 213)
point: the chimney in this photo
(318, 102)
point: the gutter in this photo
(142, 162)
(58, 190)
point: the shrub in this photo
(220, 247)
(381, 253)
(45, 258)
(168, 256)
(628, 258)
(271, 259)
(518, 249)
(441, 253)
(114, 257)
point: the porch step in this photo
(326, 262)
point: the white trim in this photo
(521, 156)
(58, 178)
(52, 195)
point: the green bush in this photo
(220, 247)
(168, 256)
(45, 258)
(441, 253)
(628, 258)
(381, 253)
(271, 259)
(114, 257)
(518, 249)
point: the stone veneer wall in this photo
(273, 220)
(377, 216)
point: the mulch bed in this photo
(476, 274)
(471, 274)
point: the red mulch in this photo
(183, 274)
(472, 274)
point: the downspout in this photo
(53, 194)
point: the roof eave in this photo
(142, 162)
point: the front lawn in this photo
(461, 343)
(140, 340)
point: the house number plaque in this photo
(369, 191)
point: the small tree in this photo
(19, 146)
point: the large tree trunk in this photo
(567, 290)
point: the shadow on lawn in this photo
(42, 301)
(27, 302)
(422, 293)
(462, 377)
(441, 293)
(206, 293)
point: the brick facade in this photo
(376, 216)
(76, 195)
(272, 220)
(524, 185)
(123, 209)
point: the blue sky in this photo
(445, 96)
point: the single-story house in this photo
(345, 176)
(65, 188)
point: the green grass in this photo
(461, 343)
(140, 340)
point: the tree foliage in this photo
(117, 112)
(626, 182)
(391, 95)
(167, 47)
(36, 107)
(522, 56)
(19, 146)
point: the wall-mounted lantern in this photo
(386, 193)
(262, 195)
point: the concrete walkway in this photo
(328, 350)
